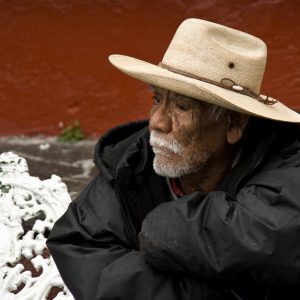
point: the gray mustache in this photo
(157, 140)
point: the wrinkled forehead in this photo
(162, 91)
(176, 96)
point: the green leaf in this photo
(72, 133)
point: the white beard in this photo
(172, 170)
(182, 167)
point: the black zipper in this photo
(127, 216)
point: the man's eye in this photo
(156, 99)
(182, 107)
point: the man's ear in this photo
(236, 125)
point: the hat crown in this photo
(211, 51)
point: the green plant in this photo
(72, 133)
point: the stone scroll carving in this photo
(28, 209)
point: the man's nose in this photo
(160, 119)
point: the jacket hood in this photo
(123, 146)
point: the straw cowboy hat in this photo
(212, 63)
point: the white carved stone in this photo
(22, 198)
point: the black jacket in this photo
(123, 238)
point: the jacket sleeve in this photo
(257, 233)
(92, 250)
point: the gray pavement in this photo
(72, 161)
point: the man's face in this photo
(183, 135)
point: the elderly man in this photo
(202, 203)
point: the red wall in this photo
(53, 56)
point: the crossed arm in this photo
(185, 244)
(215, 236)
(92, 249)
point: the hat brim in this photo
(201, 90)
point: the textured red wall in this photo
(53, 55)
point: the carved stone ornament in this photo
(28, 209)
